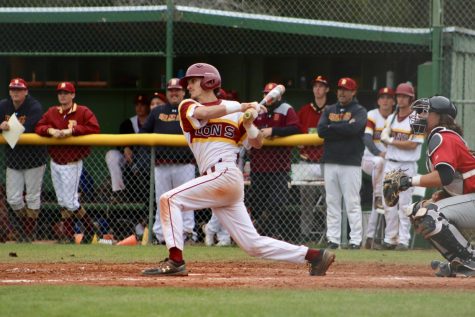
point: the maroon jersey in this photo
(309, 115)
(80, 119)
(450, 149)
(284, 121)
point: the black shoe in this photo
(385, 246)
(353, 246)
(320, 265)
(167, 267)
(332, 245)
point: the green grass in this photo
(101, 301)
(117, 254)
(116, 301)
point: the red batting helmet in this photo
(405, 89)
(209, 73)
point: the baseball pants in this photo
(213, 227)
(223, 192)
(374, 166)
(398, 225)
(168, 177)
(115, 163)
(66, 183)
(18, 180)
(343, 182)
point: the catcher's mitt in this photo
(395, 182)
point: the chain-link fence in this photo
(118, 198)
(377, 43)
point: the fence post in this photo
(151, 195)
(169, 48)
(436, 24)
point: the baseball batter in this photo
(68, 119)
(213, 129)
(403, 152)
(451, 165)
(374, 154)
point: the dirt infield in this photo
(243, 274)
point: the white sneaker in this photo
(224, 243)
(209, 238)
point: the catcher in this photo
(452, 166)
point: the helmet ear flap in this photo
(210, 81)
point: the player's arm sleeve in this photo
(446, 173)
(149, 124)
(43, 125)
(291, 125)
(91, 125)
(33, 118)
(369, 143)
(349, 129)
(186, 110)
(126, 127)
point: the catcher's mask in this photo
(418, 117)
(421, 108)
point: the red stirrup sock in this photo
(312, 254)
(176, 255)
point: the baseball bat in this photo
(273, 95)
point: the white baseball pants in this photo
(214, 227)
(168, 177)
(398, 225)
(18, 180)
(115, 163)
(374, 166)
(66, 183)
(223, 192)
(343, 181)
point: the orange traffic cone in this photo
(78, 238)
(130, 240)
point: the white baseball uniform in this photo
(397, 223)
(115, 161)
(214, 144)
(374, 165)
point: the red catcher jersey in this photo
(454, 152)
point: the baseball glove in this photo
(395, 181)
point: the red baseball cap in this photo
(18, 83)
(386, 91)
(321, 79)
(140, 98)
(159, 95)
(268, 87)
(174, 83)
(347, 83)
(66, 86)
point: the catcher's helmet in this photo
(209, 73)
(405, 89)
(421, 108)
(442, 105)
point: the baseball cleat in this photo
(444, 269)
(434, 264)
(320, 265)
(167, 267)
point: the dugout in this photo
(114, 51)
